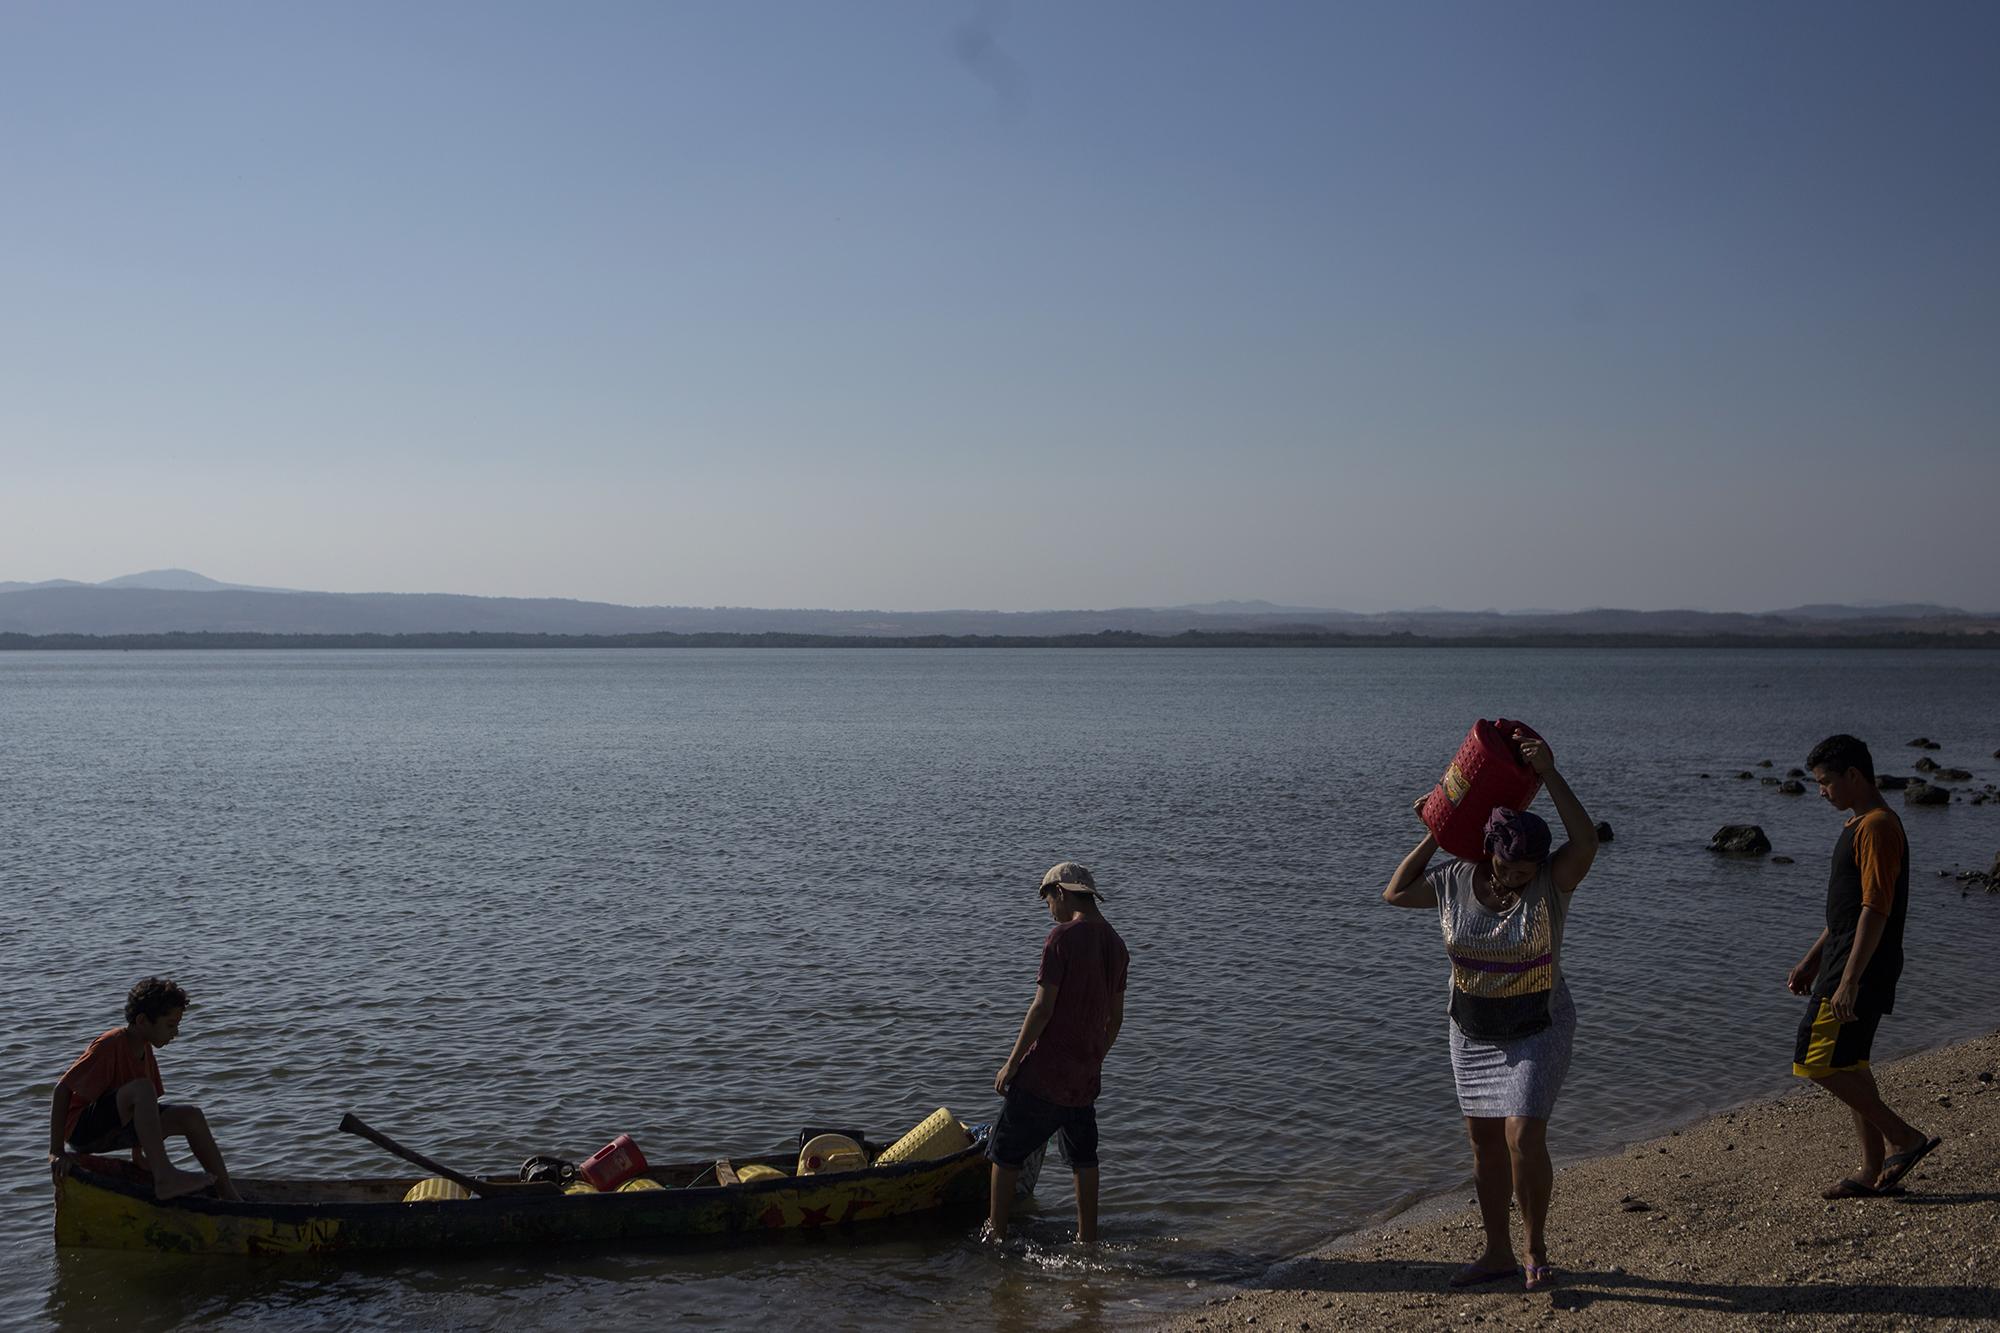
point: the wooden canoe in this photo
(104, 1203)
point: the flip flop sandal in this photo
(1853, 1187)
(1898, 1165)
(1540, 1277)
(1472, 1275)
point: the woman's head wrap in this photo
(1516, 835)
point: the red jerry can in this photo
(613, 1164)
(1487, 772)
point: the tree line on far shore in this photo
(197, 640)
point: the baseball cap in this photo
(1071, 877)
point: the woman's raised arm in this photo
(1572, 860)
(1408, 887)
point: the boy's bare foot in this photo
(170, 1182)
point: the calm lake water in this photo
(513, 902)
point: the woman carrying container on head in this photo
(1511, 1017)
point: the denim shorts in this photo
(1026, 1122)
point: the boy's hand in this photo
(1845, 998)
(1801, 977)
(1004, 1077)
(1534, 753)
(58, 1166)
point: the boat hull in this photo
(103, 1204)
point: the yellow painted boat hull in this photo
(107, 1204)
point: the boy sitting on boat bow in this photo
(110, 1099)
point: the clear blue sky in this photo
(923, 305)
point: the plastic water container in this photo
(436, 1190)
(1487, 772)
(613, 1164)
(939, 1135)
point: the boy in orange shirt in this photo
(110, 1099)
(1852, 968)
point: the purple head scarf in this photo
(1516, 835)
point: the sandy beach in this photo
(1720, 1224)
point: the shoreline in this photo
(1719, 1221)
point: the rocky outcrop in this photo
(1740, 840)
(1891, 781)
(1926, 765)
(1926, 743)
(1923, 793)
(1951, 775)
(1792, 787)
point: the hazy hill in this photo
(178, 580)
(166, 601)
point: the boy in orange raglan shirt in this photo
(110, 1099)
(1852, 968)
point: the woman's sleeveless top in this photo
(1505, 966)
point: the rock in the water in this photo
(1769, 782)
(1952, 775)
(1781, 860)
(1795, 772)
(1923, 793)
(1926, 765)
(1745, 776)
(1763, 763)
(1603, 831)
(1891, 781)
(1792, 787)
(1740, 840)
(1926, 743)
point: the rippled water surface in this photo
(515, 902)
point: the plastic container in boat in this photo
(939, 1135)
(613, 1164)
(828, 1153)
(436, 1190)
(1487, 772)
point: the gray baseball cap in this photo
(1071, 878)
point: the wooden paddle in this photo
(353, 1124)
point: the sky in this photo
(910, 304)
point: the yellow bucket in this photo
(827, 1153)
(940, 1135)
(756, 1171)
(638, 1183)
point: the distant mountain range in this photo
(167, 601)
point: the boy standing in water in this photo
(110, 1099)
(1851, 969)
(1050, 1080)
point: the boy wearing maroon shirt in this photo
(1050, 1079)
(110, 1099)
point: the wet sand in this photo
(1718, 1225)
